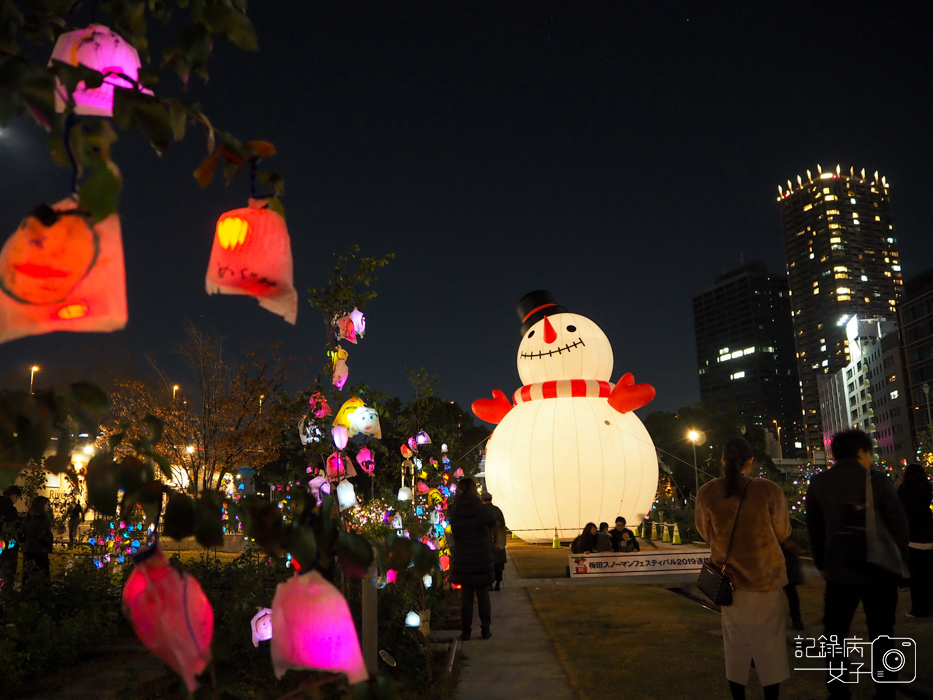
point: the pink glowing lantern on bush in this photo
(252, 255)
(338, 466)
(339, 371)
(346, 330)
(60, 272)
(365, 459)
(261, 626)
(319, 405)
(422, 488)
(314, 629)
(105, 51)
(170, 614)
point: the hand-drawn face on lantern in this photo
(105, 51)
(60, 273)
(349, 406)
(564, 346)
(261, 626)
(365, 421)
(365, 459)
(252, 255)
(43, 262)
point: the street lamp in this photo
(694, 436)
(174, 391)
(780, 448)
(32, 376)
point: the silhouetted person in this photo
(916, 495)
(471, 564)
(10, 534)
(499, 541)
(37, 541)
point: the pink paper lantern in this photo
(319, 405)
(422, 438)
(422, 488)
(365, 459)
(170, 614)
(313, 629)
(359, 322)
(252, 255)
(339, 466)
(346, 330)
(341, 436)
(105, 51)
(412, 445)
(340, 371)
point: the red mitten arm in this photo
(627, 395)
(492, 410)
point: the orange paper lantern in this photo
(252, 255)
(58, 272)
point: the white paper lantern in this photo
(346, 495)
(341, 436)
(405, 494)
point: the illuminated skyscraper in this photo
(745, 351)
(841, 261)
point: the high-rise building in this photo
(842, 261)
(745, 351)
(916, 320)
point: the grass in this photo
(656, 644)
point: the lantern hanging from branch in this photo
(170, 614)
(261, 626)
(319, 405)
(252, 255)
(422, 438)
(365, 459)
(340, 436)
(314, 629)
(59, 272)
(101, 49)
(308, 431)
(339, 466)
(340, 371)
(345, 329)
(348, 407)
(346, 495)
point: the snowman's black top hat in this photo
(536, 305)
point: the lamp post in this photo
(174, 391)
(694, 437)
(32, 376)
(780, 447)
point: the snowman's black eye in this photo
(531, 334)
(572, 329)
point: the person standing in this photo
(836, 510)
(37, 540)
(9, 534)
(75, 515)
(471, 565)
(499, 541)
(916, 495)
(753, 625)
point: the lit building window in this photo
(830, 198)
(737, 375)
(894, 394)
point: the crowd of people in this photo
(30, 535)
(602, 539)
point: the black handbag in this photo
(713, 580)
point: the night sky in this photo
(619, 154)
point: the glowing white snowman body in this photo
(563, 456)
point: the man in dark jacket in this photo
(836, 522)
(471, 565)
(498, 541)
(616, 535)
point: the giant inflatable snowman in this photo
(569, 451)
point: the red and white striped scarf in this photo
(563, 388)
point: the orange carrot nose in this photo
(550, 335)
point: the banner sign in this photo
(656, 562)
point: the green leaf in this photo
(114, 440)
(178, 118)
(400, 555)
(165, 466)
(89, 396)
(275, 204)
(355, 554)
(231, 24)
(150, 498)
(99, 194)
(102, 484)
(153, 120)
(57, 463)
(178, 521)
(208, 522)
(424, 558)
(131, 474)
(263, 522)
(303, 546)
(155, 426)
(205, 171)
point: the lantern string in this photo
(70, 121)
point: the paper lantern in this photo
(365, 421)
(345, 329)
(340, 371)
(308, 431)
(359, 322)
(422, 438)
(105, 51)
(422, 488)
(340, 436)
(58, 272)
(316, 485)
(405, 494)
(252, 255)
(444, 448)
(444, 562)
(339, 466)
(406, 453)
(170, 614)
(435, 497)
(459, 474)
(397, 521)
(412, 445)
(346, 495)
(365, 459)
(319, 405)
(412, 619)
(346, 410)
(261, 626)
(314, 629)
(570, 450)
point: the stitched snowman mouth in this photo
(558, 351)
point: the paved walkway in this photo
(519, 660)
